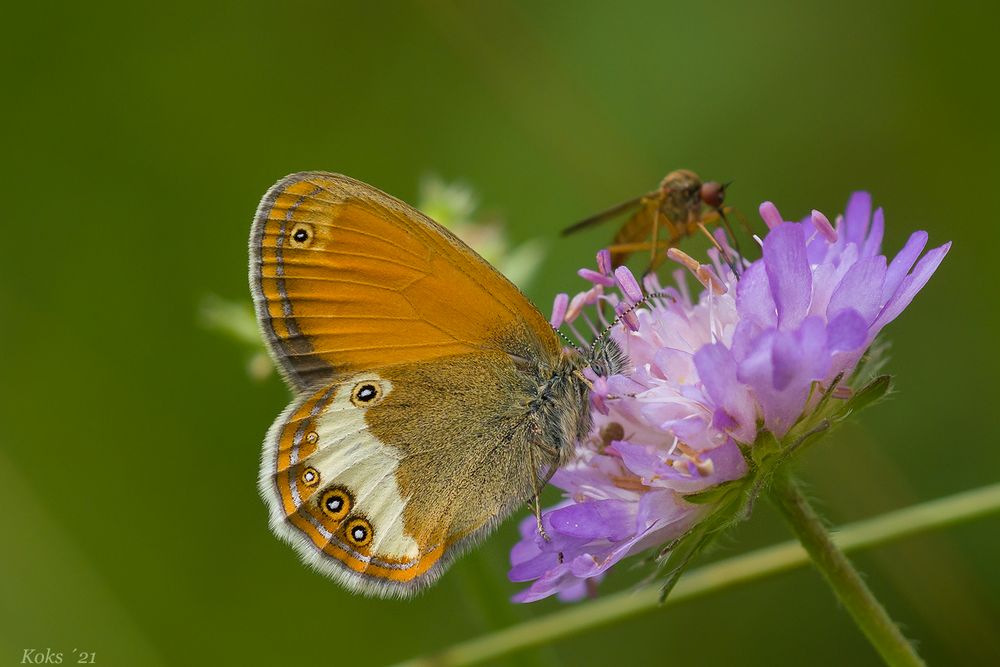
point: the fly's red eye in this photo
(713, 194)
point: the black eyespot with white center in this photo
(302, 235)
(366, 394)
(359, 532)
(310, 476)
(336, 503)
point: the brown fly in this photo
(678, 206)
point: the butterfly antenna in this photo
(568, 340)
(644, 301)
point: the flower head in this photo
(759, 357)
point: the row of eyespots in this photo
(336, 503)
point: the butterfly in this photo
(675, 205)
(431, 397)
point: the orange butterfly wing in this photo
(347, 278)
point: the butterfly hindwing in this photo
(382, 500)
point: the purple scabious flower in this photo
(755, 358)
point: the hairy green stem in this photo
(718, 576)
(867, 612)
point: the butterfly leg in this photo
(538, 519)
(534, 480)
(583, 378)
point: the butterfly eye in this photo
(301, 235)
(359, 532)
(310, 476)
(335, 503)
(365, 394)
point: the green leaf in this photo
(870, 393)
(729, 498)
(718, 493)
(681, 556)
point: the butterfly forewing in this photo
(346, 278)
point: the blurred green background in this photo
(138, 139)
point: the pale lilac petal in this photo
(847, 331)
(576, 590)
(692, 430)
(745, 339)
(661, 512)
(753, 297)
(818, 249)
(773, 358)
(857, 216)
(532, 568)
(548, 585)
(594, 519)
(723, 421)
(676, 365)
(873, 244)
(641, 460)
(788, 273)
(717, 370)
(658, 508)
(902, 263)
(827, 276)
(787, 360)
(756, 368)
(861, 289)
(588, 565)
(812, 341)
(728, 463)
(912, 284)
